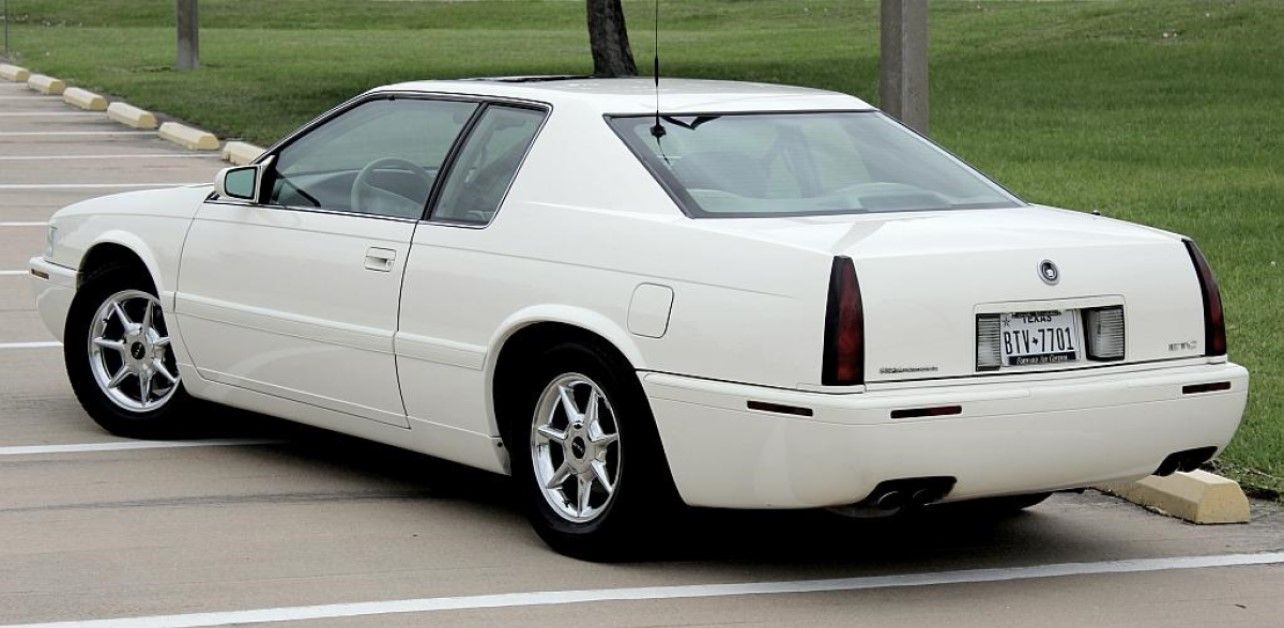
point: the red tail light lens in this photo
(844, 359)
(1214, 319)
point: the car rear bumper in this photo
(1008, 437)
(54, 287)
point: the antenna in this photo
(657, 130)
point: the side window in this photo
(487, 164)
(381, 157)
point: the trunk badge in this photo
(1049, 273)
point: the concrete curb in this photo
(46, 84)
(187, 137)
(241, 153)
(15, 73)
(131, 116)
(84, 99)
(1197, 497)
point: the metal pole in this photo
(903, 61)
(189, 42)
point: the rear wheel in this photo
(118, 355)
(586, 456)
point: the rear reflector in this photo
(1195, 389)
(764, 406)
(843, 363)
(910, 413)
(1103, 332)
(988, 339)
(1214, 320)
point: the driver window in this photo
(380, 158)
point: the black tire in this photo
(174, 418)
(644, 498)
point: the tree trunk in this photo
(609, 40)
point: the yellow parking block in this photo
(46, 84)
(241, 153)
(84, 99)
(131, 116)
(1198, 496)
(14, 73)
(187, 137)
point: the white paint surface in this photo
(70, 133)
(78, 448)
(550, 598)
(113, 157)
(24, 224)
(46, 344)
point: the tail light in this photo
(844, 358)
(1214, 320)
(1103, 333)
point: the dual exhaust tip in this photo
(1186, 460)
(893, 496)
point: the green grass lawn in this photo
(1165, 112)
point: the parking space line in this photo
(60, 114)
(46, 133)
(551, 598)
(25, 224)
(76, 186)
(43, 344)
(125, 156)
(10, 273)
(128, 445)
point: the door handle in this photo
(380, 259)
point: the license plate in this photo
(1033, 338)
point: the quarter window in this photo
(379, 158)
(486, 166)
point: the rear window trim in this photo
(691, 208)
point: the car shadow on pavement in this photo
(805, 539)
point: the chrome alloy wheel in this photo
(129, 352)
(575, 448)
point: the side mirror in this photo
(239, 182)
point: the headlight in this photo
(51, 237)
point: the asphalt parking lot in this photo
(268, 522)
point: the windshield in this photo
(798, 164)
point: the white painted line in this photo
(43, 133)
(24, 224)
(550, 598)
(30, 450)
(44, 344)
(77, 186)
(13, 273)
(23, 114)
(125, 156)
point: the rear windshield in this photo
(800, 164)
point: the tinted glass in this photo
(804, 164)
(380, 157)
(487, 164)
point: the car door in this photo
(456, 289)
(296, 295)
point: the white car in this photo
(758, 297)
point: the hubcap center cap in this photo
(137, 350)
(578, 447)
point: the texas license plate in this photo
(1033, 338)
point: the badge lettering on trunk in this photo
(1049, 273)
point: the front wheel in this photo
(117, 351)
(586, 455)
